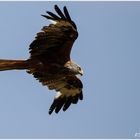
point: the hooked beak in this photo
(81, 72)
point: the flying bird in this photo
(50, 61)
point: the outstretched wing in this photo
(55, 41)
(68, 88)
(69, 91)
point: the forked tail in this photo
(13, 64)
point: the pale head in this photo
(74, 68)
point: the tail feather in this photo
(13, 64)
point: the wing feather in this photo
(48, 17)
(67, 13)
(67, 104)
(59, 12)
(53, 15)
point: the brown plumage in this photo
(50, 61)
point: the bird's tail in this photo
(13, 64)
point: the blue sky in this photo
(108, 49)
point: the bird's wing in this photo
(55, 41)
(68, 88)
(69, 91)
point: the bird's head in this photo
(77, 69)
(74, 68)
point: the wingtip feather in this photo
(67, 13)
(59, 12)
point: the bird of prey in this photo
(50, 61)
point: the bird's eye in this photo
(79, 68)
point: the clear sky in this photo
(108, 49)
